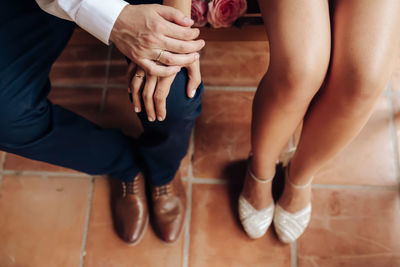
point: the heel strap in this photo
(293, 184)
(263, 181)
(252, 175)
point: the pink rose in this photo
(222, 13)
(199, 12)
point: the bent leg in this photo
(365, 38)
(299, 37)
(30, 125)
(163, 144)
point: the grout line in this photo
(359, 187)
(39, 173)
(3, 161)
(230, 88)
(106, 78)
(191, 154)
(315, 186)
(103, 101)
(99, 86)
(196, 180)
(189, 179)
(209, 181)
(187, 228)
(293, 254)
(86, 226)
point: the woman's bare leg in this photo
(365, 40)
(299, 37)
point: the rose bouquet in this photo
(219, 13)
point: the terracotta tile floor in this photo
(52, 216)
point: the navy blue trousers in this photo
(31, 126)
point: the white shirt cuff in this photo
(98, 17)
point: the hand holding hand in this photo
(154, 90)
(150, 33)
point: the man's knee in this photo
(179, 105)
(21, 126)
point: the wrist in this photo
(118, 24)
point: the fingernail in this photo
(192, 93)
(187, 20)
(196, 56)
(137, 110)
(160, 118)
(151, 119)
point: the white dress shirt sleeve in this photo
(95, 16)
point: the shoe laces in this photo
(130, 188)
(162, 190)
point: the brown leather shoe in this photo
(169, 209)
(130, 212)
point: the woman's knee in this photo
(357, 84)
(299, 77)
(303, 71)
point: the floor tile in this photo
(82, 61)
(82, 37)
(2, 155)
(222, 133)
(369, 159)
(217, 239)
(118, 113)
(185, 163)
(118, 67)
(83, 101)
(352, 227)
(105, 249)
(42, 220)
(17, 163)
(234, 63)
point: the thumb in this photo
(174, 15)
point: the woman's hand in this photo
(154, 90)
(148, 34)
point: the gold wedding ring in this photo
(138, 75)
(159, 55)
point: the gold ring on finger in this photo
(139, 76)
(159, 55)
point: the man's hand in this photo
(150, 33)
(156, 89)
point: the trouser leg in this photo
(30, 125)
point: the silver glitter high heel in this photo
(290, 226)
(255, 222)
